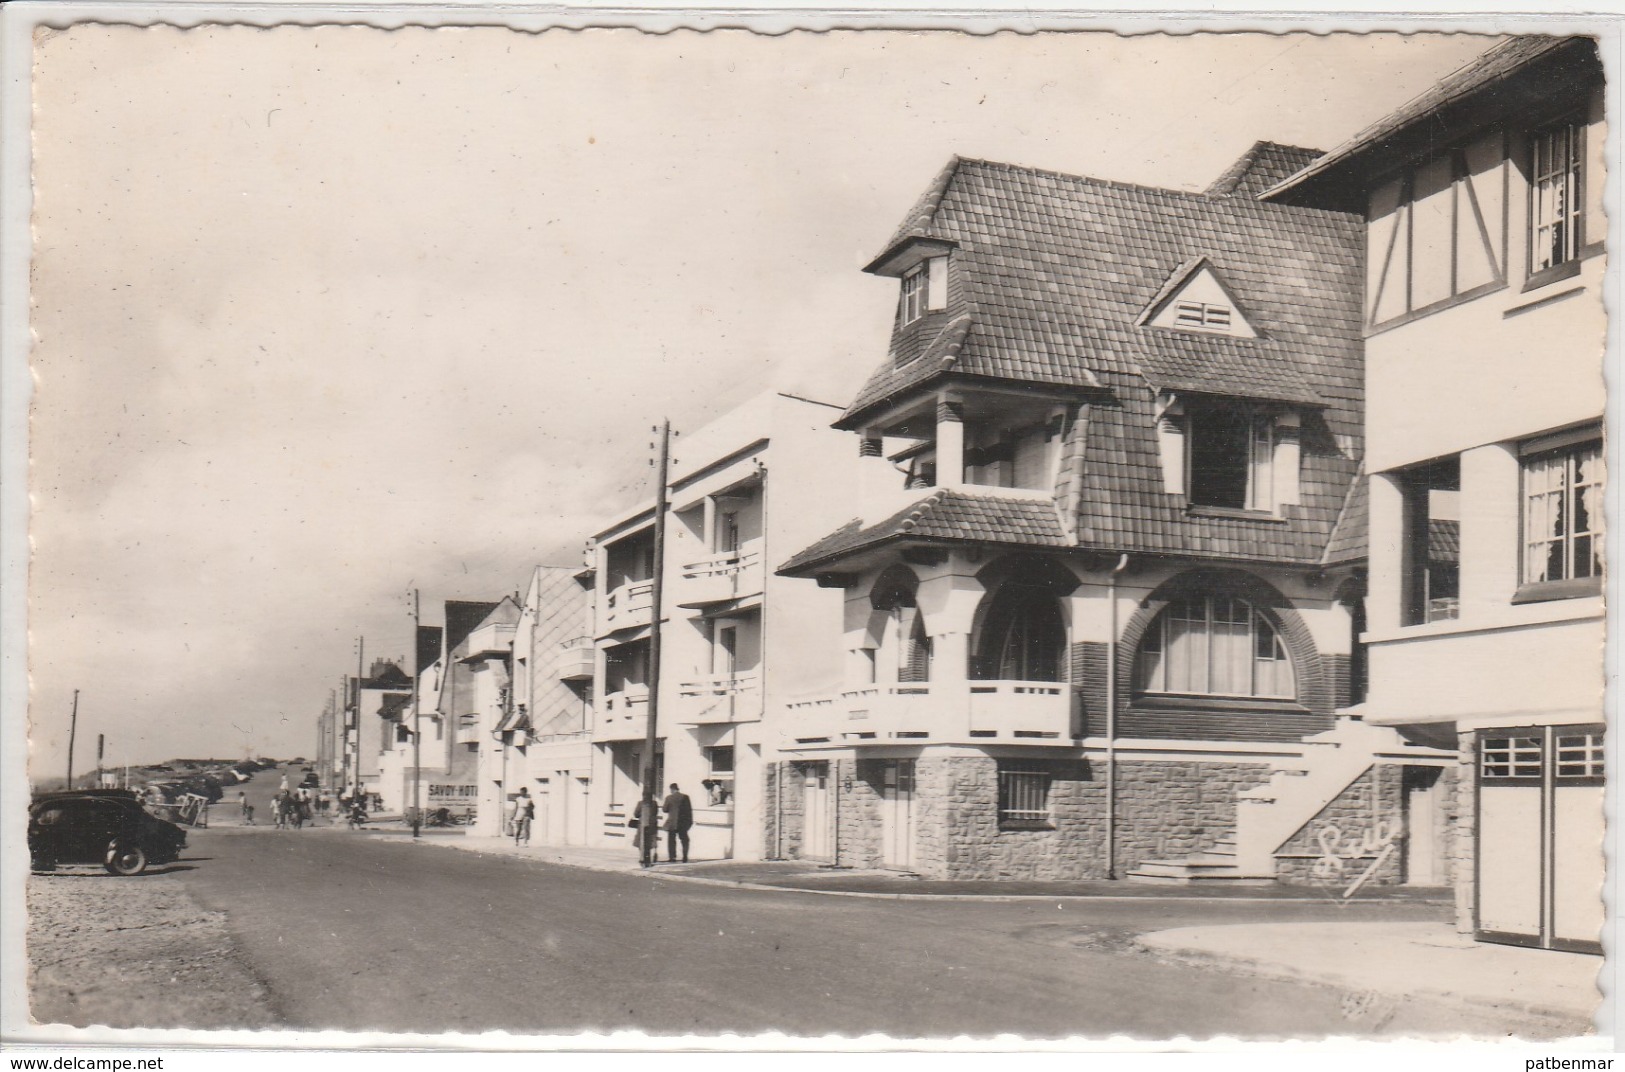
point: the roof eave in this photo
(906, 252)
(1337, 181)
(854, 419)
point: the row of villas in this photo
(1244, 535)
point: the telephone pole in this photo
(73, 730)
(360, 649)
(646, 821)
(417, 723)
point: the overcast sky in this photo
(327, 314)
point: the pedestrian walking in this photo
(524, 810)
(679, 817)
(242, 804)
(645, 824)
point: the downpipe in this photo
(1111, 720)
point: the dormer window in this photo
(925, 289)
(1201, 316)
(1232, 451)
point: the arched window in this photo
(1023, 637)
(904, 641)
(1214, 646)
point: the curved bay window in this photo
(1023, 637)
(1214, 646)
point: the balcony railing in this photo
(720, 698)
(496, 637)
(722, 576)
(1031, 712)
(627, 606)
(621, 715)
(575, 659)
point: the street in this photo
(351, 931)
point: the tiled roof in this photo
(1444, 540)
(1261, 167)
(1348, 539)
(945, 515)
(1222, 365)
(917, 224)
(1427, 110)
(938, 357)
(1052, 272)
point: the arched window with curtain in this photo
(1023, 636)
(1214, 645)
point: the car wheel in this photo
(126, 859)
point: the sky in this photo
(323, 315)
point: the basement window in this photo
(1024, 796)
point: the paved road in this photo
(356, 932)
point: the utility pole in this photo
(360, 649)
(417, 723)
(646, 821)
(73, 730)
(101, 744)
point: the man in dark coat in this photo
(679, 817)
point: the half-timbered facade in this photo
(1485, 329)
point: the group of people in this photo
(677, 808)
(679, 819)
(297, 806)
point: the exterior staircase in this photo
(1297, 790)
(1218, 864)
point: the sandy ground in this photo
(134, 952)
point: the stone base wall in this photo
(1165, 808)
(1466, 844)
(1348, 836)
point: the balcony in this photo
(626, 607)
(622, 715)
(956, 712)
(493, 639)
(725, 576)
(575, 659)
(719, 699)
(468, 729)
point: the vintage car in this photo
(99, 826)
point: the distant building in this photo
(375, 710)
(1483, 312)
(403, 717)
(737, 644)
(542, 741)
(472, 699)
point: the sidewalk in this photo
(802, 877)
(1401, 960)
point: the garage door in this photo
(1540, 837)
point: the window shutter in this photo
(936, 294)
(1288, 460)
(1171, 447)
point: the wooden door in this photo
(897, 814)
(815, 814)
